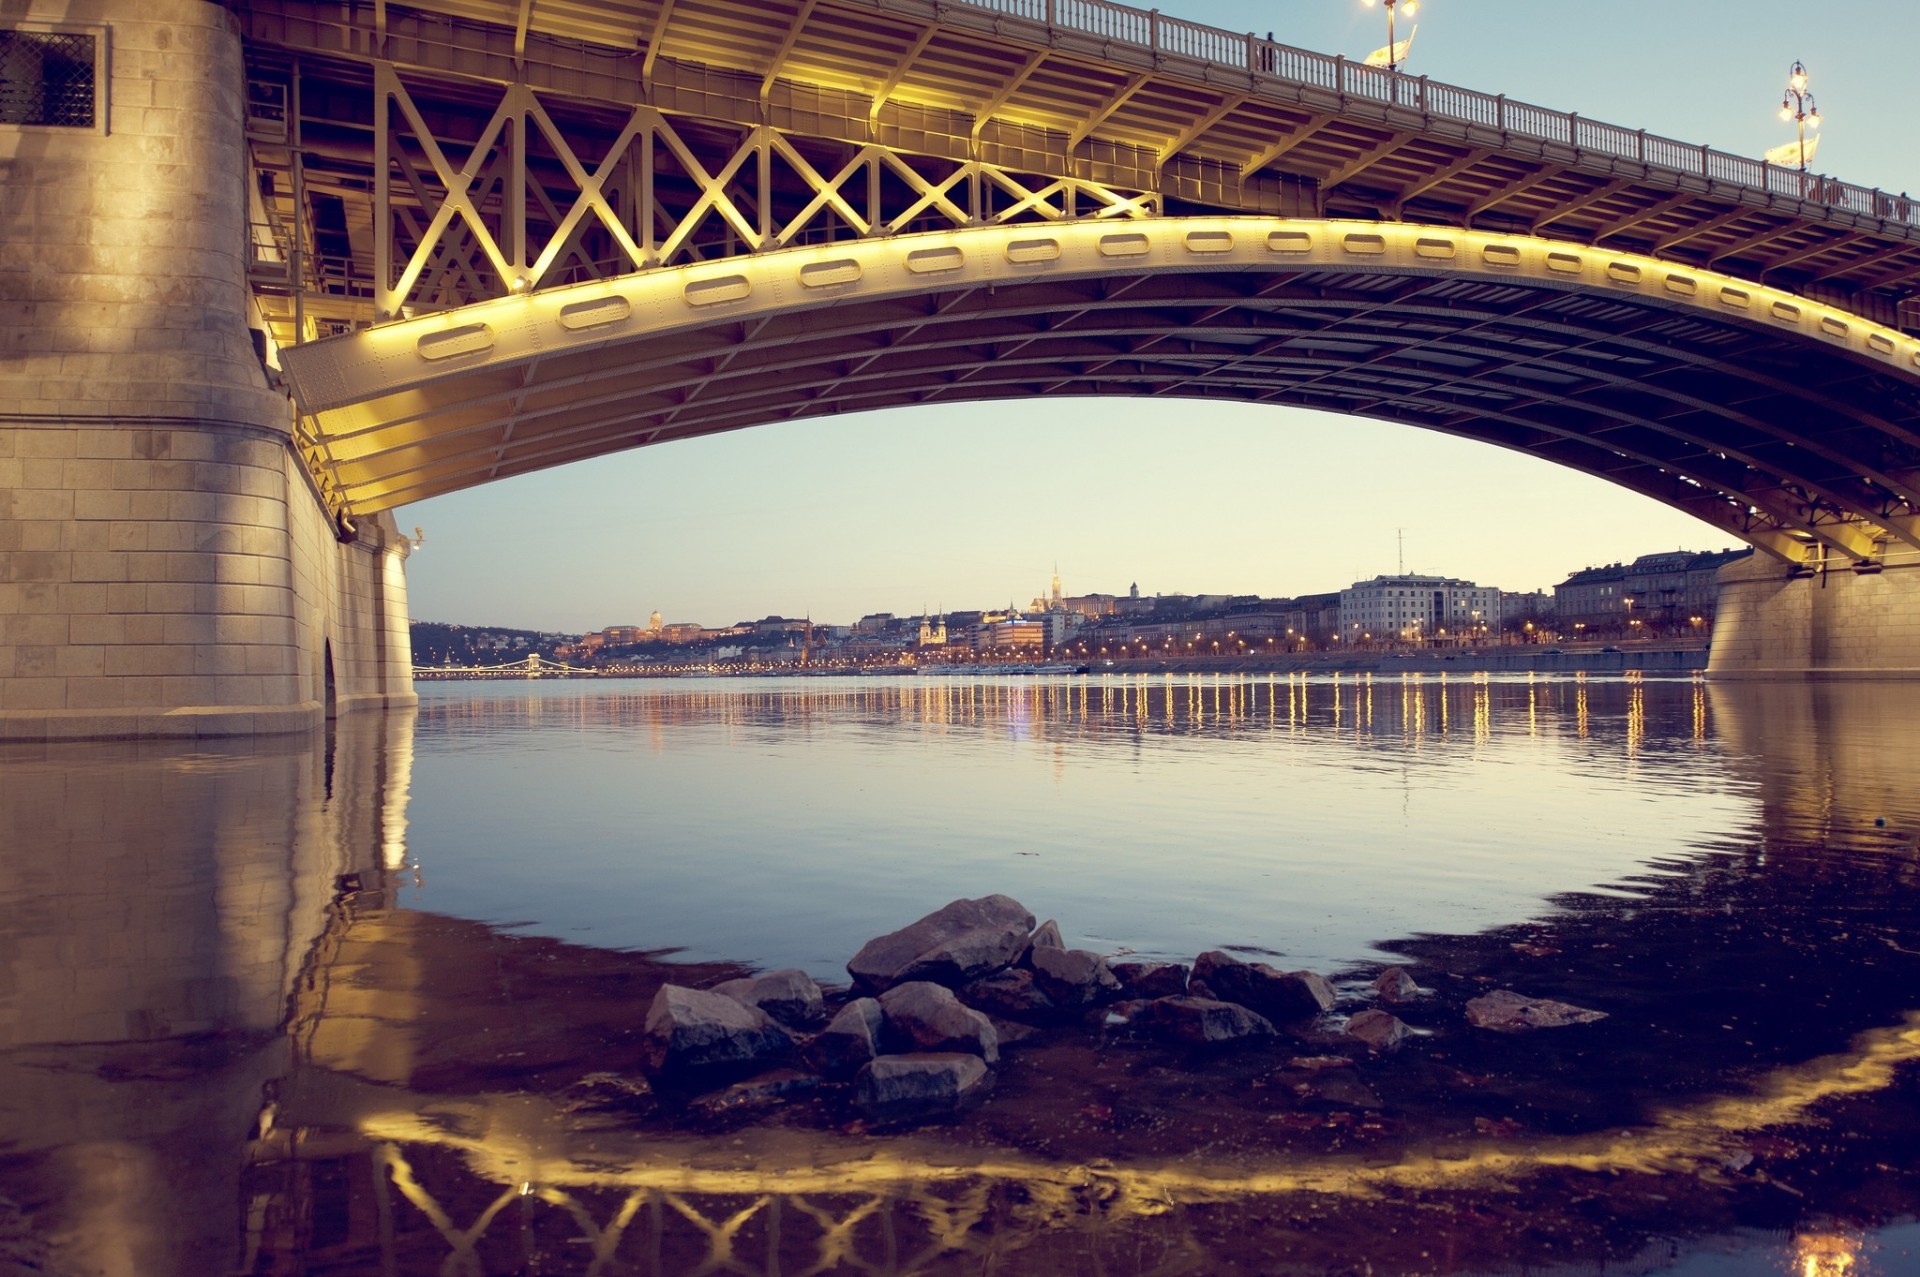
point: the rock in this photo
(1379, 1030)
(1278, 995)
(789, 996)
(1505, 1011)
(1198, 989)
(1073, 977)
(1395, 985)
(1204, 1022)
(963, 941)
(1012, 992)
(851, 1040)
(764, 1091)
(1045, 936)
(699, 1029)
(897, 1088)
(1151, 979)
(929, 1017)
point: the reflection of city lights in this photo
(1825, 1254)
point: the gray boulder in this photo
(1045, 936)
(1151, 979)
(1379, 1030)
(700, 1029)
(789, 996)
(897, 1088)
(1278, 995)
(1395, 985)
(1203, 1021)
(963, 941)
(1505, 1011)
(1012, 992)
(851, 1040)
(930, 1018)
(1074, 977)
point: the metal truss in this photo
(451, 228)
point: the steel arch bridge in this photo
(493, 236)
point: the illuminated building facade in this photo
(1418, 608)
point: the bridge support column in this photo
(166, 566)
(1833, 624)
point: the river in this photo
(368, 1002)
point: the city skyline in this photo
(893, 511)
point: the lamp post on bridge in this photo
(1394, 8)
(1797, 104)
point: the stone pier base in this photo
(182, 580)
(1833, 624)
(167, 568)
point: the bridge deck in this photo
(1196, 118)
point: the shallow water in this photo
(356, 983)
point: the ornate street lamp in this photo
(1797, 104)
(1393, 52)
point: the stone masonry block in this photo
(46, 443)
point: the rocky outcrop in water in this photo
(951, 946)
(1505, 1011)
(1278, 995)
(1380, 1030)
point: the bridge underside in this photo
(1792, 426)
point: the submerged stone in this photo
(1380, 1030)
(1505, 1011)
(959, 942)
(763, 1091)
(1395, 985)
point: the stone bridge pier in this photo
(1829, 622)
(167, 565)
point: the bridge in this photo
(296, 264)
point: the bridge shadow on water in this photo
(226, 1047)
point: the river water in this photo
(368, 1003)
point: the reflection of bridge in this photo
(578, 229)
(118, 1070)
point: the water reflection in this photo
(208, 962)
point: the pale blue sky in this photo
(972, 506)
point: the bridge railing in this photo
(1159, 34)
